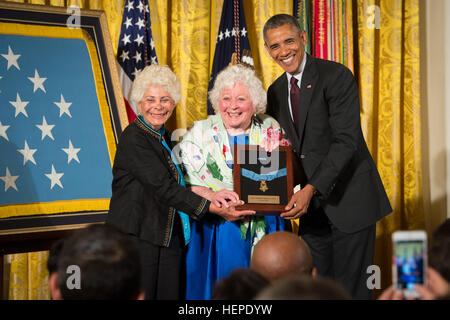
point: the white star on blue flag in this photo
(42, 78)
(226, 41)
(135, 38)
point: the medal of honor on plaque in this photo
(263, 180)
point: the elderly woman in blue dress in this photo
(217, 246)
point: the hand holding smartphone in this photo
(409, 261)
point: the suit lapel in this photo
(309, 80)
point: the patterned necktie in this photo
(295, 100)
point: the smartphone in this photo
(409, 261)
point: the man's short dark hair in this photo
(52, 261)
(108, 261)
(303, 287)
(241, 284)
(279, 20)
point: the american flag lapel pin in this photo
(308, 86)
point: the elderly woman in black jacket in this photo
(149, 200)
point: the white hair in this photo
(229, 76)
(155, 75)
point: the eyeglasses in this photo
(164, 101)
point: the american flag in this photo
(136, 48)
(232, 38)
(52, 141)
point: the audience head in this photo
(280, 254)
(97, 263)
(303, 287)
(439, 254)
(241, 284)
(52, 261)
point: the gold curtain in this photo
(387, 67)
(29, 276)
(389, 82)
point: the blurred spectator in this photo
(304, 287)
(439, 254)
(107, 262)
(445, 297)
(52, 262)
(438, 271)
(436, 288)
(241, 284)
(280, 254)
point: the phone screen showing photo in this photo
(409, 262)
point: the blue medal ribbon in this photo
(266, 177)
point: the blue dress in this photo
(216, 248)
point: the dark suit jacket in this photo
(145, 189)
(330, 145)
